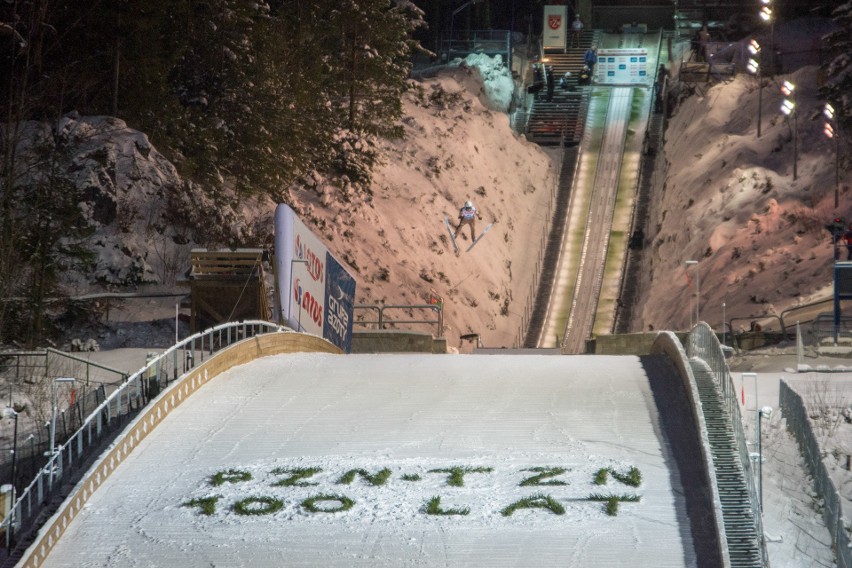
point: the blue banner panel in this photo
(843, 280)
(340, 303)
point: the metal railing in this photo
(27, 375)
(381, 320)
(113, 414)
(703, 344)
(20, 364)
(479, 41)
(798, 422)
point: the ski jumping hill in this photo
(314, 459)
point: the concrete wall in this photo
(397, 341)
(668, 344)
(626, 344)
(152, 415)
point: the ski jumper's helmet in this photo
(468, 204)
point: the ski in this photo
(452, 238)
(482, 234)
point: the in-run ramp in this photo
(587, 273)
(229, 478)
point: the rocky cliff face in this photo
(142, 216)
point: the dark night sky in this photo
(525, 16)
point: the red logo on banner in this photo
(554, 21)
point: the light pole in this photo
(788, 107)
(754, 68)
(765, 412)
(697, 290)
(832, 131)
(290, 291)
(52, 450)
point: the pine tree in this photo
(374, 60)
(47, 233)
(369, 56)
(240, 94)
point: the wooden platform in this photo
(228, 286)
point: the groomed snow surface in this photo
(409, 414)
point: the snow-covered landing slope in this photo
(499, 419)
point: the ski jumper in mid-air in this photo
(467, 216)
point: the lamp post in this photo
(52, 450)
(697, 290)
(788, 107)
(754, 68)
(290, 291)
(765, 412)
(831, 129)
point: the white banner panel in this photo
(555, 27)
(300, 257)
(316, 293)
(622, 67)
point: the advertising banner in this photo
(622, 67)
(339, 299)
(555, 27)
(315, 293)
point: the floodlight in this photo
(766, 2)
(828, 111)
(766, 13)
(787, 107)
(787, 88)
(753, 66)
(753, 47)
(828, 130)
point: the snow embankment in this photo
(729, 200)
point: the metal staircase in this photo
(743, 541)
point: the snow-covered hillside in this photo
(729, 200)
(454, 149)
